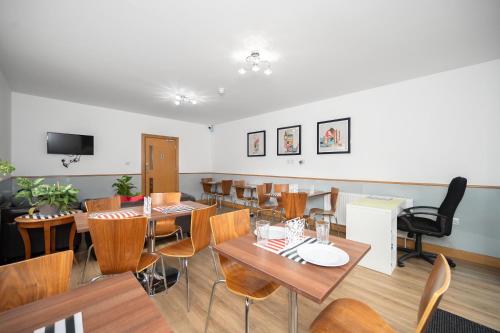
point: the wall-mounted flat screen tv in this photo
(69, 144)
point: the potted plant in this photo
(123, 187)
(48, 199)
(6, 168)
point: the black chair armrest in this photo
(410, 209)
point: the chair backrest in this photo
(226, 186)
(437, 284)
(261, 193)
(229, 226)
(207, 187)
(103, 204)
(239, 188)
(200, 227)
(333, 199)
(118, 243)
(294, 204)
(30, 280)
(158, 199)
(204, 180)
(269, 187)
(239, 182)
(278, 188)
(456, 191)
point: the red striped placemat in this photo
(173, 209)
(115, 215)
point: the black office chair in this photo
(431, 221)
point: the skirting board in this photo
(447, 251)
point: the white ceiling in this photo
(128, 54)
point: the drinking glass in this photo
(262, 231)
(323, 231)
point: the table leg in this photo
(293, 312)
(46, 237)
(27, 243)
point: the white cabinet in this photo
(374, 221)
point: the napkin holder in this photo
(294, 231)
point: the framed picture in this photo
(288, 140)
(334, 136)
(256, 144)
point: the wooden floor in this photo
(474, 294)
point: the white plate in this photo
(274, 232)
(323, 255)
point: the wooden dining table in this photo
(82, 225)
(114, 304)
(308, 280)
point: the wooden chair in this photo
(225, 191)
(30, 280)
(349, 315)
(166, 227)
(318, 212)
(98, 205)
(207, 191)
(294, 204)
(239, 280)
(269, 187)
(239, 187)
(279, 188)
(263, 202)
(187, 248)
(118, 245)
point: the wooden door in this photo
(160, 164)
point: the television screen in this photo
(70, 144)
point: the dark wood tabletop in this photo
(82, 225)
(115, 304)
(311, 281)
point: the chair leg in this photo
(89, 251)
(248, 302)
(211, 302)
(164, 275)
(186, 272)
(214, 263)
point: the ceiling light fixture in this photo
(183, 99)
(255, 63)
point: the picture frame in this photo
(289, 140)
(333, 136)
(256, 144)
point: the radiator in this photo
(346, 197)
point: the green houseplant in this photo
(123, 187)
(6, 168)
(48, 199)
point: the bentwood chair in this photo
(187, 248)
(225, 191)
(239, 280)
(94, 206)
(331, 213)
(119, 244)
(166, 227)
(239, 188)
(431, 221)
(33, 279)
(207, 191)
(280, 188)
(294, 204)
(269, 187)
(349, 315)
(263, 202)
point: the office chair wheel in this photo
(401, 264)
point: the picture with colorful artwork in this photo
(288, 140)
(334, 136)
(256, 144)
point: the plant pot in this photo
(124, 198)
(136, 198)
(48, 210)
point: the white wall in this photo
(428, 129)
(5, 101)
(117, 138)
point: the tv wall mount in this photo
(72, 159)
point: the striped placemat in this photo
(38, 216)
(174, 209)
(278, 246)
(275, 195)
(72, 324)
(122, 214)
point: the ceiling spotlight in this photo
(183, 99)
(221, 91)
(254, 62)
